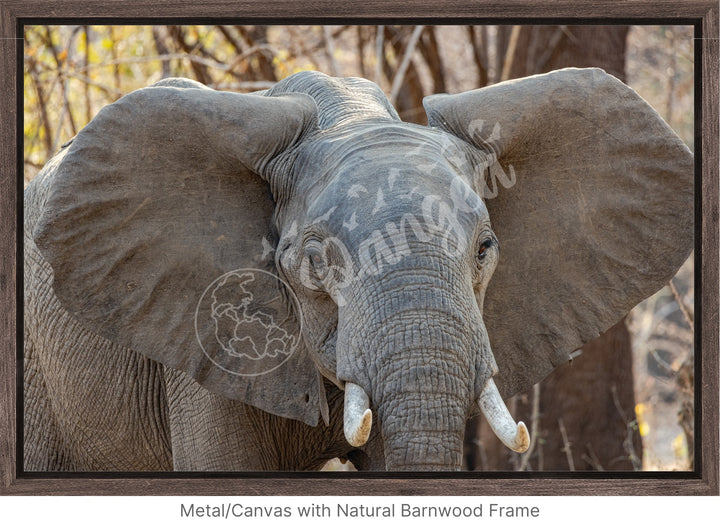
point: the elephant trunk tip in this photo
(357, 416)
(515, 436)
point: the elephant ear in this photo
(158, 228)
(593, 212)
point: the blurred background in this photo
(627, 402)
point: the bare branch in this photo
(405, 63)
(534, 427)
(549, 49)
(161, 49)
(86, 87)
(108, 90)
(330, 51)
(230, 38)
(479, 55)
(566, 445)
(592, 458)
(42, 103)
(59, 60)
(360, 34)
(510, 53)
(685, 311)
(379, 53)
(257, 36)
(631, 426)
(428, 46)
(163, 57)
(198, 67)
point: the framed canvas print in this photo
(281, 249)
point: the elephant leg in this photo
(44, 448)
(212, 433)
(90, 405)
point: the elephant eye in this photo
(314, 253)
(484, 247)
(316, 259)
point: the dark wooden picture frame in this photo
(702, 14)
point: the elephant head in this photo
(261, 242)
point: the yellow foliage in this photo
(643, 426)
(679, 446)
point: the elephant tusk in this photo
(358, 416)
(514, 436)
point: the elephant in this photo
(264, 281)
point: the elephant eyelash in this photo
(487, 243)
(314, 251)
(485, 259)
(316, 263)
(484, 248)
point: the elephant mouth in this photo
(358, 417)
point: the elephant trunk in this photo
(415, 345)
(423, 434)
(422, 388)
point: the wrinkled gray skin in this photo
(380, 230)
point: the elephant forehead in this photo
(398, 207)
(369, 149)
(401, 178)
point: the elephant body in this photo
(217, 281)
